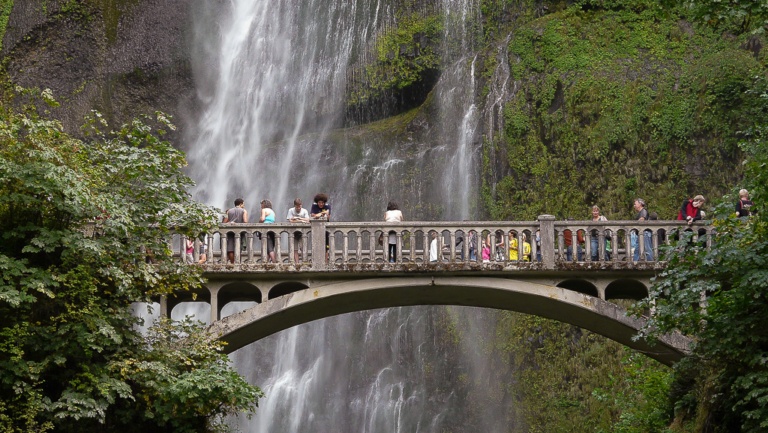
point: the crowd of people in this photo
(690, 211)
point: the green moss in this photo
(111, 12)
(615, 103)
(403, 56)
(6, 6)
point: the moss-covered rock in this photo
(614, 104)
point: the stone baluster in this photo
(237, 247)
(412, 243)
(345, 252)
(399, 246)
(196, 252)
(249, 246)
(359, 246)
(278, 247)
(224, 246)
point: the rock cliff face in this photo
(619, 102)
(122, 58)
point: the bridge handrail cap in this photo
(546, 218)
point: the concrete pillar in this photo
(319, 261)
(164, 306)
(547, 228)
(214, 291)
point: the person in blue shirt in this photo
(268, 217)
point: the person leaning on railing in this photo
(321, 210)
(691, 209)
(297, 214)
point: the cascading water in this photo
(271, 79)
(275, 70)
(456, 96)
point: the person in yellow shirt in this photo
(513, 243)
(526, 249)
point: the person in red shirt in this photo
(568, 235)
(691, 209)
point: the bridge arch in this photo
(581, 286)
(236, 291)
(286, 288)
(333, 298)
(626, 288)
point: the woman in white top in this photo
(392, 215)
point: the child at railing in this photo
(513, 245)
(486, 252)
(190, 251)
(526, 248)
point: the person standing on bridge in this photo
(642, 215)
(568, 239)
(238, 215)
(513, 246)
(434, 248)
(268, 217)
(321, 210)
(486, 251)
(526, 248)
(393, 215)
(472, 244)
(297, 214)
(595, 236)
(744, 205)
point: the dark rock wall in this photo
(122, 58)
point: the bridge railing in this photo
(544, 243)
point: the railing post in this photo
(319, 261)
(547, 235)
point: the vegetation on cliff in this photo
(619, 99)
(719, 296)
(619, 102)
(84, 227)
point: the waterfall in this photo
(456, 94)
(271, 79)
(266, 73)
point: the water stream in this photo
(271, 80)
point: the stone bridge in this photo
(574, 273)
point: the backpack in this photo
(680, 212)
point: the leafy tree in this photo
(720, 296)
(84, 227)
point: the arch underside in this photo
(333, 298)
